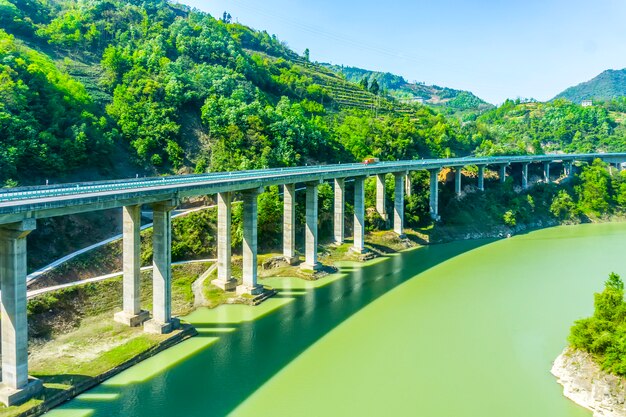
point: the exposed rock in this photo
(275, 262)
(367, 256)
(252, 301)
(320, 273)
(585, 383)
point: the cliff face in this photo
(589, 386)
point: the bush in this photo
(604, 333)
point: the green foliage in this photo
(594, 190)
(47, 120)
(563, 206)
(186, 92)
(604, 333)
(608, 85)
(524, 127)
(509, 218)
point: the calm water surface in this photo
(466, 329)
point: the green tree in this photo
(563, 206)
(364, 83)
(374, 87)
(594, 189)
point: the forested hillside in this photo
(109, 88)
(518, 127)
(400, 89)
(86, 83)
(609, 85)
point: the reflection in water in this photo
(473, 337)
(221, 367)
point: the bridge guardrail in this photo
(134, 183)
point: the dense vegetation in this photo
(397, 87)
(608, 85)
(518, 127)
(603, 334)
(89, 84)
(595, 192)
(179, 91)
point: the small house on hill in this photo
(587, 103)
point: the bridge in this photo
(21, 207)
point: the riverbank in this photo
(103, 340)
(74, 344)
(398, 321)
(74, 325)
(585, 383)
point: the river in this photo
(465, 329)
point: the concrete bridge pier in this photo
(340, 204)
(408, 185)
(457, 181)
(546, 172)
(567, 169)
(131, 314)
(502, 173)
(525, 176)
(398, 204)
(16, 386)
(481, 177)
(381, 207)
(224, 279)
(434, 194)
(289, 224)
(162, 321)
(359, 215)
(250, 220)
(310, 262)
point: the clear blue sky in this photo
(497, 49)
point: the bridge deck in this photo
(48, 201)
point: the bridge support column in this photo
(481, 177)
(250, 217)
(381, 207)
(398, 204)
(359, 215)
(131, 314)
(457, 181)
(525, 176)
(289, 223)
(502, 174)
(570, 169)
(434, 194)
(340, 204)
(546, 172)
(310, 262)
(16, 386)
(162, 321)
(408, 184)
(225, 279)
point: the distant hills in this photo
(608, 85)
(397, 87)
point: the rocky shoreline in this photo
(585, 383)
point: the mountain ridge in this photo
(607, 85)
(399, 88)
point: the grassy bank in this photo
(73, 338)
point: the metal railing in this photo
(77, 189)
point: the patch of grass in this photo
(17, 410)
(216, 296)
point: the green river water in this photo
(466, 329)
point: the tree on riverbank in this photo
(604, 334)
